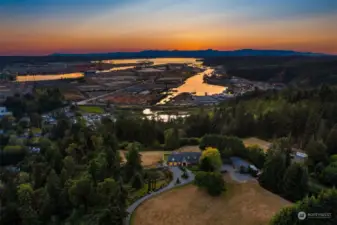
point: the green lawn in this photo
(91, 109)
(166, 155)
(35, 130)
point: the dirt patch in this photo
(73, 95)
(194, 148)
(246, 204)
(256, 141)
(149, 158)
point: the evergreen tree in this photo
(172, 139)
(133, 161)
(316, 151)
(331, 141)
(295, 182)
(273, 172)
(137, 181)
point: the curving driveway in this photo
(176, 174)
(235, 175)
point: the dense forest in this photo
(78, 176)
(293, 70)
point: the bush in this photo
(123, 145)
(11, 155)
(137, 181)
(324, 202)
(183, 169)
(329, 175)
(243, 170)
(212, 182)
(168, 174)
(333, 158)
(184, 175)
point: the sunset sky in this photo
(40, 27)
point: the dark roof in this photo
(190, 157)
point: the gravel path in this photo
(235, 175)
(176, 174)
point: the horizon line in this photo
(168, 50)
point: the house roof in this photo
(190, 157)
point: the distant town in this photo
(140, 83)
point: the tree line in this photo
(77, 178)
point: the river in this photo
(155, 61)
(193, 84)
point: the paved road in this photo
(84, 102)
(235, 175)
(176, 174)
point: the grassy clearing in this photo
(149, 158)
(166, 155)
(91, 109)
(256, 141)
(246, 203)
(193, 148)
(36, 130)
(72, 95)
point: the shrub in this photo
(123, 145)
(329, 174)
(184, 175)
(214, 161)
(243, 169)
(137, 181)
(211, 181)
(183, 169)
(333, 158)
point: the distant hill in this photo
(296, 70)
(196, 54)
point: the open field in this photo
(149, 158)
(256, 141)
(72, 95)
(191, 148)
(246, 203)
(91, 109)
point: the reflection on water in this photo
(156, 61)
(162, 117)
(116, 69)
(48, 77)
(196, 86)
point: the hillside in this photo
(296, 70)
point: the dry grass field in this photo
(194, 148)
(72, 95)
(246, 204)
(149, 158)
(256, 141)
